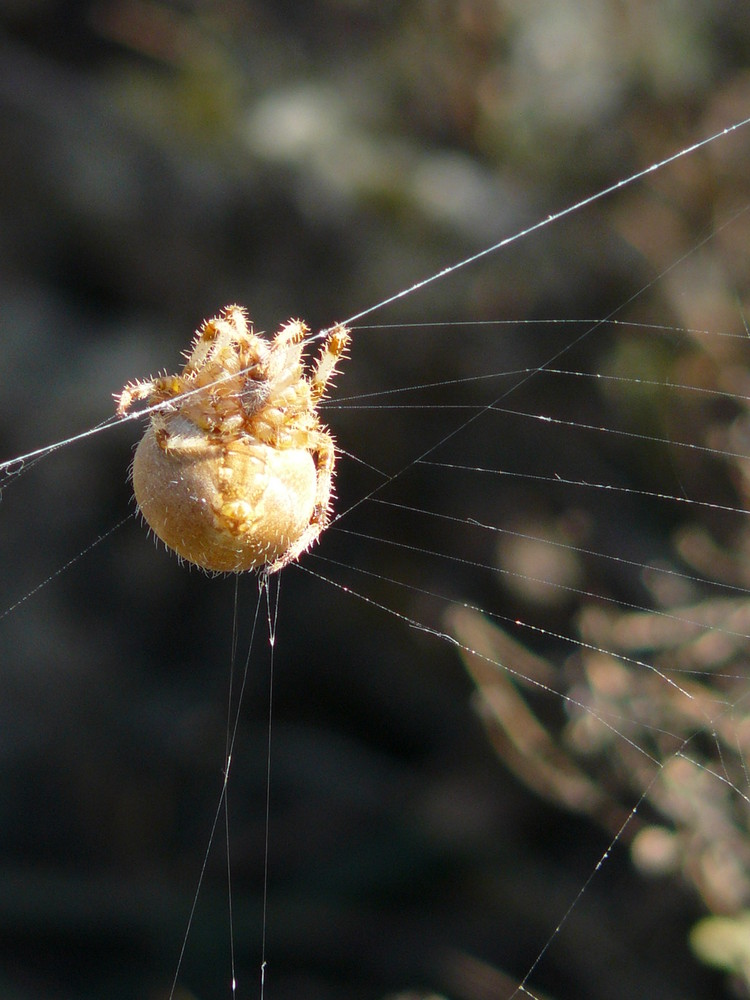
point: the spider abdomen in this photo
(225, 508)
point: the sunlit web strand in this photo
(15, 466)
(232, 730)
(8, 466)
(653, 383)
(20, 463)
(563, 321)
(540, 685)
(586, 484)
(353, 402)
(723, 778)
(568, 547)
(453, 641)
(565, 588)
(531, 681)
(652, 439)
(544, 418)
(561, 351)
(554, 217)
(65, 566)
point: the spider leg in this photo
(155, 390)
(218, 339)
(293, 332)
(333, 350)
(132, 392)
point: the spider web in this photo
(538, 570)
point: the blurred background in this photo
(160, 160)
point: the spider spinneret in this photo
(235, 471)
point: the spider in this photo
(235, 471)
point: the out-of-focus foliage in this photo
(657, 713)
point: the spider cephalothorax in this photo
(235, 471)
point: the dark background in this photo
(159, 160)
